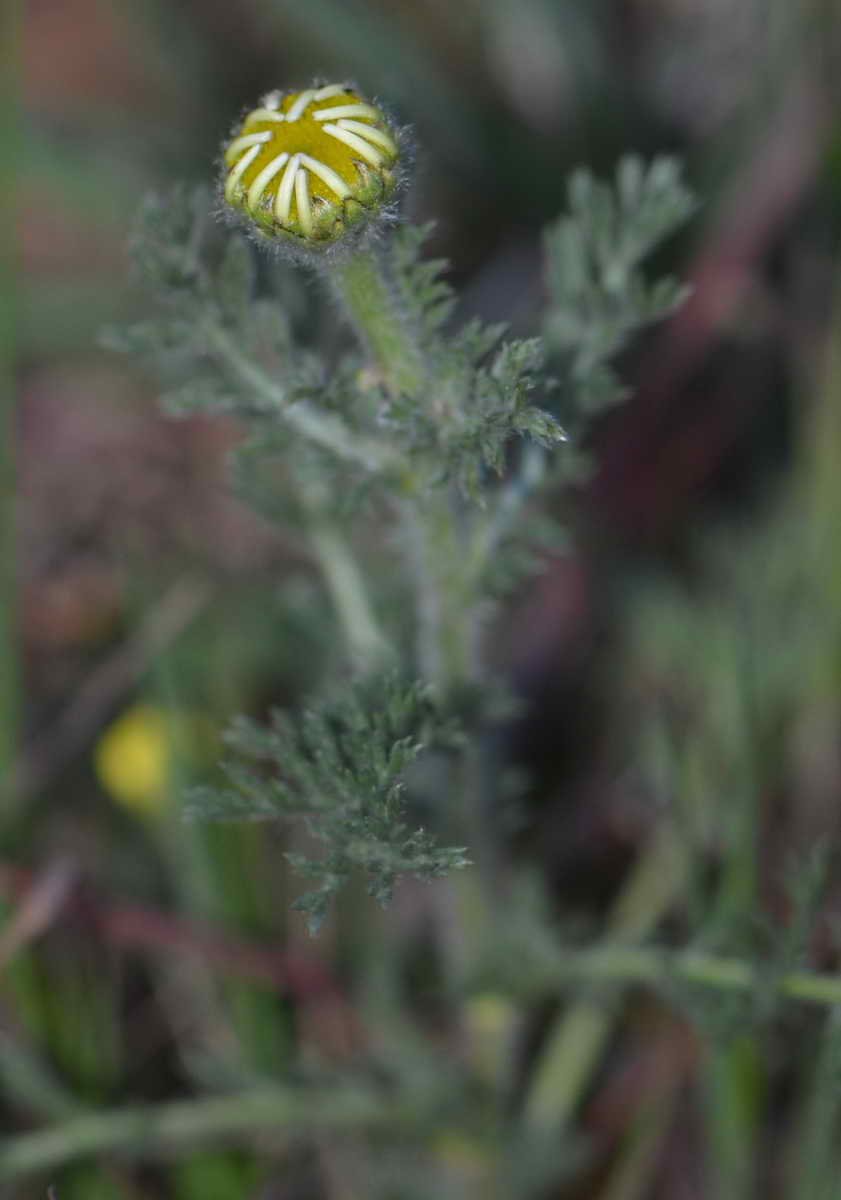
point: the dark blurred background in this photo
(149, 603)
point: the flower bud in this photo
(311, 167)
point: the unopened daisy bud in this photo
(311, 167)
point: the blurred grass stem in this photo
(648, 965)
(567, 1063)
(153, 1132)
(10, 21)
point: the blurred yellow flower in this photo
(133, 759)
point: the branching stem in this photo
(322, 428)
(649, 965)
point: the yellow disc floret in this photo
(310, 165)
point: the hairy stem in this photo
(429, 512)
(364, 291)
(446, 629)
(343, 578)
(366, 643)
(434, 533)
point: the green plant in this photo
(435, 440)
(423, 467)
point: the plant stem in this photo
(32, 1084)
(437, 546)
(342, 575)
(438, 550)
(446, 628)
(373, 309)
(648, 965)
(574, 1046)
(346, 585)
(343, 578)
(568, 1061)
(155, 1131)
(813, 1165)
(323, 429)
(640, 1157)
(732, 1078)
(429, 511)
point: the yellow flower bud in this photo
(311, 166)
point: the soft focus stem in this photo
(581, 1033)
(157, 1131)
(575, 1045)
(648, 965)
(9, 664)
(344, 580)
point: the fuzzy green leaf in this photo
(599, 296)
(340, 766)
